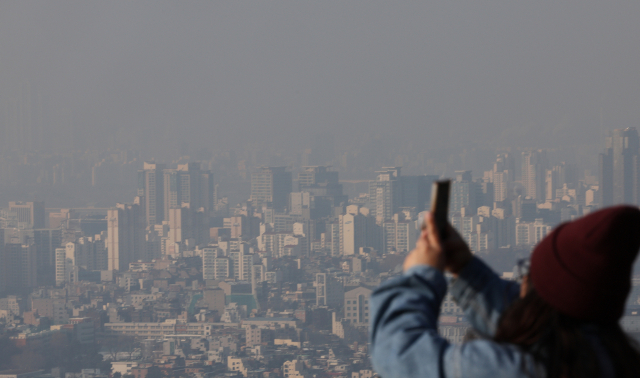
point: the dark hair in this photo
(560, 343)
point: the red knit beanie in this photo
(583, 268)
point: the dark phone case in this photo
(440, 205)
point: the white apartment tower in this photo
(398, 235)
(66, 270)
(385, 193)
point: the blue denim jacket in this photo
(404, 326)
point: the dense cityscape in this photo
(213, 189)
(182, 282)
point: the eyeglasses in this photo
(522, 269)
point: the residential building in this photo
(271, 185)
(385, 194)
(294, 369)
(160, 330)
(356, 306)
(530, 233)
(151, 189)
(398, 235)
(31, 213)
(621, 165)
(329, 291)
(66, 269)
(463, 193)
(357, 230)
(125, 235)
(534, 164)
(19, 267)
(46, 241)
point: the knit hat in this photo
(583, 268)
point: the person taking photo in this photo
(561, 320)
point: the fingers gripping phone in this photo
(440, 205)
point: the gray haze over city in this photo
(428, 76)
(213, 188)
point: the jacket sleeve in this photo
(405, 341)
(483, 296)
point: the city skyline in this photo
(214, 189)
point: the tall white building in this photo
(66, 270)
(501, 176)
(531, 233)
(398, 235)
(357, 230)
(385, 195)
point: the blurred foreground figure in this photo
(561, 320)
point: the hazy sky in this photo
(217, 73)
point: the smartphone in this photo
(440, 205)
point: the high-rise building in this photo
(258, 276)
(66, 268)
(398, 235)
(214, 265)
(46, 241)
(31, 213)
(333, 232)
(530, 233)
(319, 191)
(178, 219)
(125, 235)
(237, 259)
(563, 175)
(271, 185)
(19, 269)
(605, 178)
(189, 184)
(623, 150)
(88, 253)
(503, 227)
(100, 247)
(551, 184)
(385, 194)
(151, 188)
(416, 191)
(329, 291)
(357, 230)
(501, 176)
(464, 193)
(317, 175)
(534, 165)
